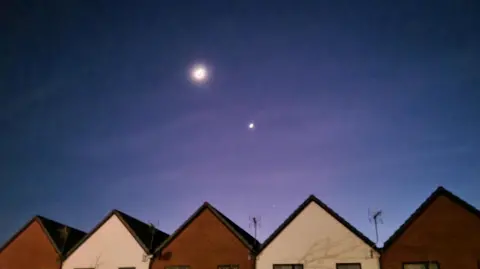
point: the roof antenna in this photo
(375, 217)
(255, 223)
(64, 232)
(153, 230)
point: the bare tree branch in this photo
(324, 251)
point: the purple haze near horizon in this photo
(365, 106)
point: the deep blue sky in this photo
(368, 105)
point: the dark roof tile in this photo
(141, 231)
(251, 241)
(148, 235)
(62, 237)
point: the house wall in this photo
(110, 247)
(445, 232)
(30, 249)
(316, 240)
(205, 243)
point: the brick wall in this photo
(30, 250)
(204, 244)
(445, 232)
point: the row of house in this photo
(443, 233)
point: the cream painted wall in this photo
(318, 241)
(110, 247)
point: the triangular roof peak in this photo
(313, 199)
(439, 192)
(147, 235)
(55, 232)
(248, 240)
(141, 231)
(441, 188)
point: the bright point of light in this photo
(199, 73)
(251, 125)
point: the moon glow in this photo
(199, 74)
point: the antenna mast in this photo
(375, 217)
(255, 223)
(153, 229)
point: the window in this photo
(178, 267)
(349, 266)
(229, 266)
(421, 265)
(288, 266)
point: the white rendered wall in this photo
(110, 247)
(318, 241)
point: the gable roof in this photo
(141, 231)
(54, 231)
(249, 241)
(313, 199)
(439, 192)
(149, 236)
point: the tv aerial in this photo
(255, 223)
(375, 217)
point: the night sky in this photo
(367, 106)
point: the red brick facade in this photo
(31, 249)
(205, 243)
(446, 231)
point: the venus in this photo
(199, 74)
